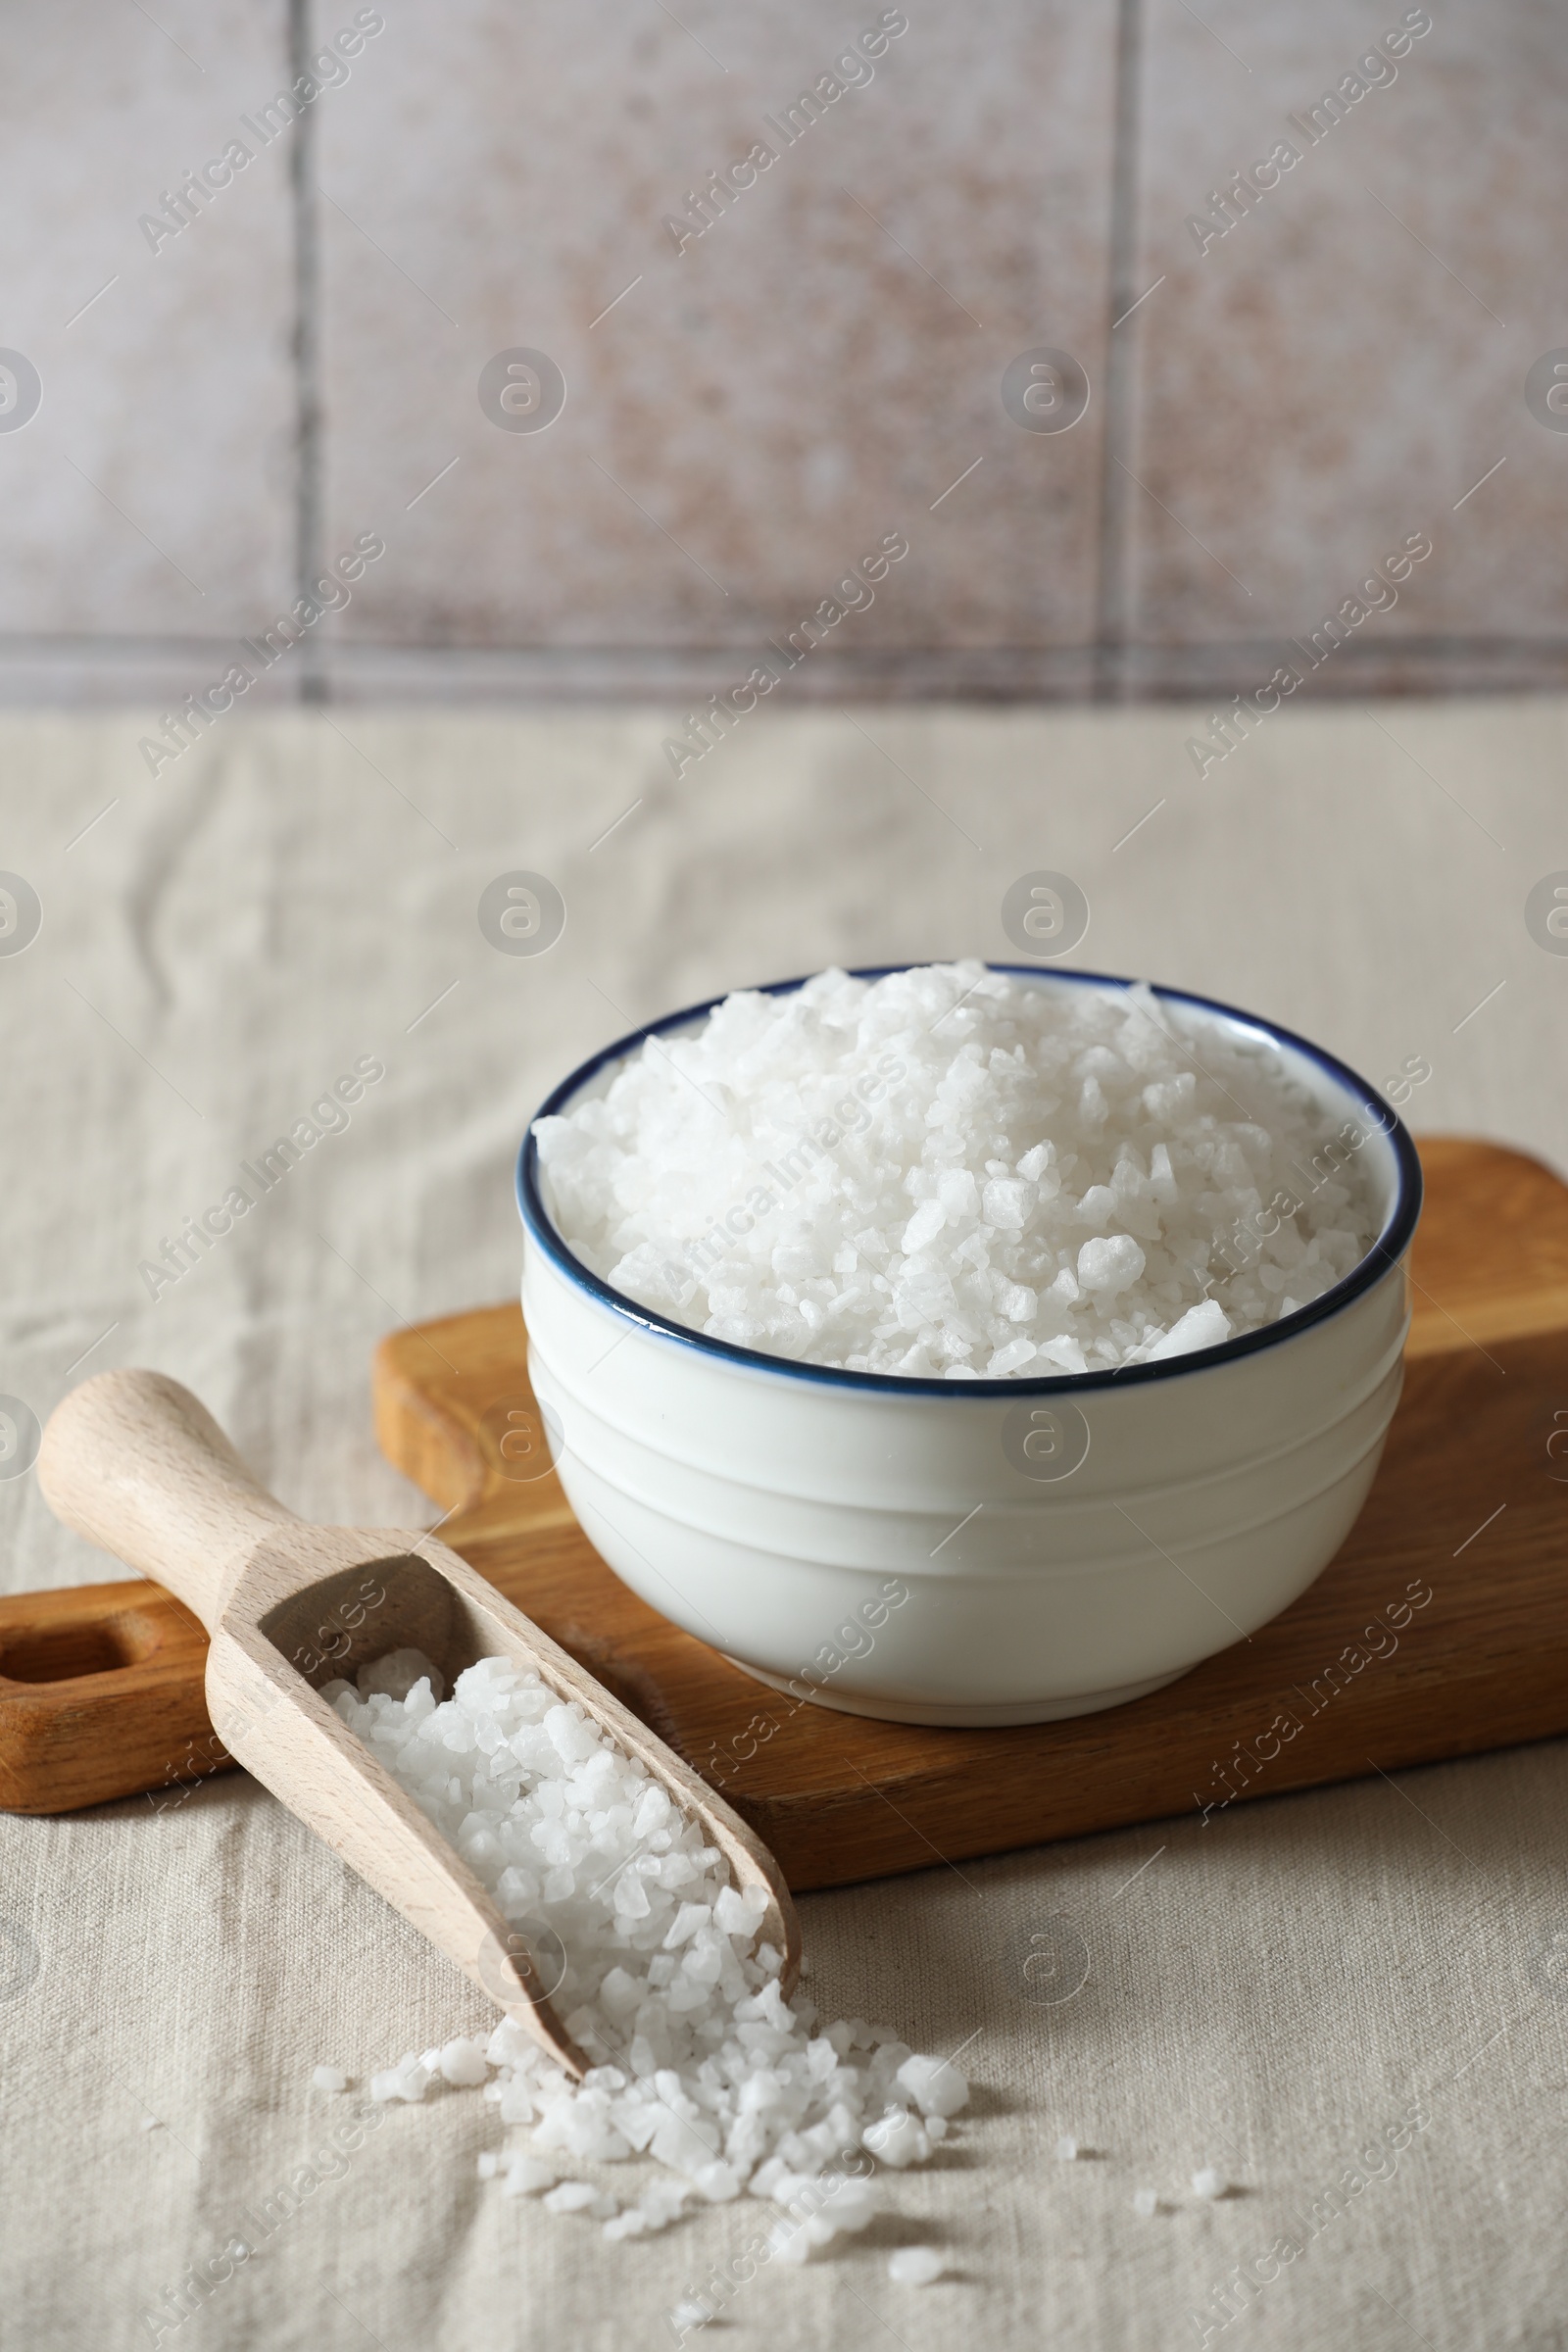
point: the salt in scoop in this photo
(136, 1464)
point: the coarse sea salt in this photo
(949, 1172)
(701, 2063)
(916, 2265)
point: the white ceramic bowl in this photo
(974, 1552)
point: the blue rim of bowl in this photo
(1384, 1252)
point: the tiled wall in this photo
(750, 410)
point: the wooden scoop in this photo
(134, 1463)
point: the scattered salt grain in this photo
(951, 1172)
(663, 2202)
(1209, 2183)
(408, 2080)
(916, 2266)
(329, 2078)
(465, 2063)
(1145, 2201)
(1067, 2149)
(819, 2210)
(698, 2060)
(898, 2139)
(934, 2083)
(577, 2196)
(522, 2175)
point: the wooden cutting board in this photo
(1439, 1629)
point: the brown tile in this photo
(1345, 364)
(152, 492)
(760, 408)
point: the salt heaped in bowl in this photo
(953, 1172)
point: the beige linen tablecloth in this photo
(1270, 1994)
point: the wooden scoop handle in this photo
(134, 1462)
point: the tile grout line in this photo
(307, 349)
(117, 665)
(1111, 594)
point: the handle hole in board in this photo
(104, 1645)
